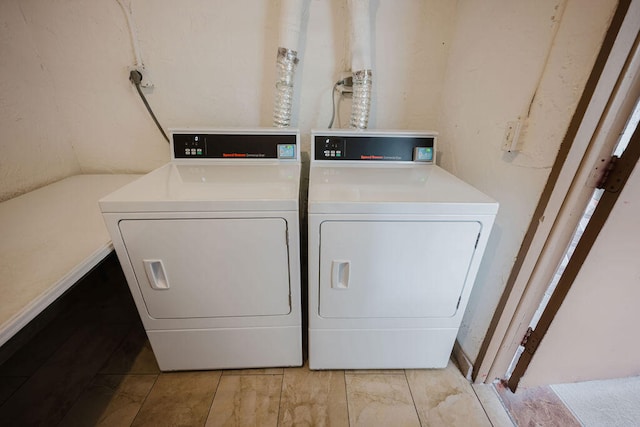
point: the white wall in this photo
(212, 63)
(35, 144)
(463, 68)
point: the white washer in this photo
(209, 244)
(395, 243)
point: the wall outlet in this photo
(344, 89)
(511, 136)
(146, 80)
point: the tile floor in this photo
(92, 365)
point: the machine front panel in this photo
(394, 269)
(208, 268)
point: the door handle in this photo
(155, 274)
(340, 274)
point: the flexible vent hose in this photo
(285, 70)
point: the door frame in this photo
(612, 189)
(606, 103)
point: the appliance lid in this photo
(207, 187)
(393, 188)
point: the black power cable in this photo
(136, 77)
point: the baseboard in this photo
(464, 364)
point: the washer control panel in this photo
(251, 145)
(381, 147)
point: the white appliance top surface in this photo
(393, 188)
(207, 187)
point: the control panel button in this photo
(333, 148)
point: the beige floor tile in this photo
(246, 400)
(313, 398)
(265, 371)
(110, 400)
(375, 371)
(492, 405)
(443, 397)
(179, 399)
(380, 400)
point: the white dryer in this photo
(395, 243)
(209, 244)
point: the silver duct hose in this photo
(361, 99)
(285, 70)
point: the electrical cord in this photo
(136, 78)
(346, 82)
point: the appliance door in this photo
(395, 269)
(222, 267)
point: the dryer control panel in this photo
(375, 147)
(235, 145)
